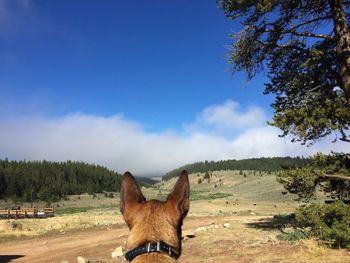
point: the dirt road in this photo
(213, 243)
(94, 243)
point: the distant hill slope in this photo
(247, 185)
(255, 164)
(144, 181)
(51, 181)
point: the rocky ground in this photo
(207, 239)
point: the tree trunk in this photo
(342, 35)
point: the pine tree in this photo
(306, 47)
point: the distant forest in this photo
(258, 164)
(52, 181)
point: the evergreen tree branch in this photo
(300, 34)
(309, 22)
(308, 34)
(344, 139)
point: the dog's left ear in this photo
(180, 195)
(130, 192)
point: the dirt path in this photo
(214, 243)
(94, 243)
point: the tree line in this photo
(258, 164)
(52, 181)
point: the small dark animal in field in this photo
(155, 226)
(234, 202)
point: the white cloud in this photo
(121, 144)
(227, 118)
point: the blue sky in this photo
(157, 62)
(127, 80)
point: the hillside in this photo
(257, 164)
(145, 181)
(242, 185)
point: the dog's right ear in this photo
(179, 197)
(130, 192)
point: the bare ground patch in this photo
(213, 242)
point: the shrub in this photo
(219, 195)
(330, 222)
(294, 235)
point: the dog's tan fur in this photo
(154, 220)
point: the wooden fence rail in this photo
(27, 213)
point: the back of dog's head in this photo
(154, 220)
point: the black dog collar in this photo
(160, 246)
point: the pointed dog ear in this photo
(130, 192)
(179, 197)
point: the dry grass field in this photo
(234, 219)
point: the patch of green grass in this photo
(199, 196)
(219, 195)
(196, 196)
(76, 210)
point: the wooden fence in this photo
(27, 213)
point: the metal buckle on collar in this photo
(160, 250)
